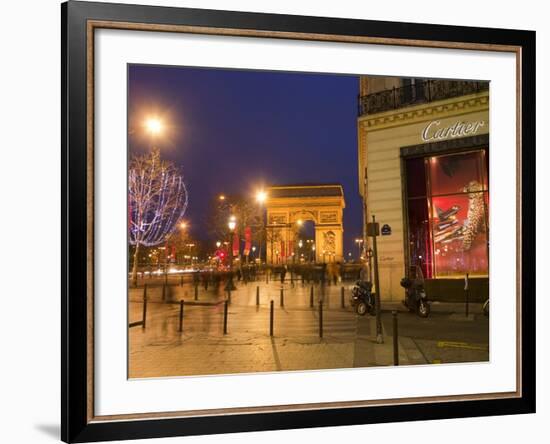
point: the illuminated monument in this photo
(289, 206)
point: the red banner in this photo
(247, 241)
(236, 245)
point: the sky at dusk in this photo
(236, 131)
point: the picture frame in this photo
(80, 20)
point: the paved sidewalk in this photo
(348, 340)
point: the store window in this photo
(447, 206)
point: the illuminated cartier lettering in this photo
(433, 131)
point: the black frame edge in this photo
(74, 423)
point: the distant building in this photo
(423, 156)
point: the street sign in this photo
(373, 229)
(386, 230)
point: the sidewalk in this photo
(348, 340)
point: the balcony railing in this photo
(418, 92)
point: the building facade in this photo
(423, 167)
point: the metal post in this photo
(271, 318)
(144, 317)
(321, 319)
(181, 316)
(258, 295)
(282, 298)
(342, 302)
(225, 317)
(311, 297)
(229, 296)
(379, 337)
(467, 294)
(395, 338)
(196, 292)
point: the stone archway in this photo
(288, 206)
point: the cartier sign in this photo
(434, 131)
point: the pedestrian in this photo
(283, 274)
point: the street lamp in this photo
(261, 197)
(359, 243)
(218, 244)
(232, 224)
(154, 126)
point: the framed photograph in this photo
(276, 221)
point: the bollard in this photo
(311, 297)
(165, 278)
(181, 316)
(342, 301)
(282, 298)
(144, 317)
(196, 292)
(257, 295)
(229, 296)
(271, 318)
(321, 319)
(225, 317)
(395, 337)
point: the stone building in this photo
(423, 156)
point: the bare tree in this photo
(157, 199)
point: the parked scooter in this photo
(415, 293)
(362, 298)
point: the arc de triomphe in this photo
(290, 205)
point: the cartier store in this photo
(424, 170)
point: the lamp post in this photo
(369, 254)
(261, 197)
(231, 225)
(359, 243)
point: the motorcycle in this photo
(415, 294)
(362, 298)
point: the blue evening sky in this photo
(234, 131)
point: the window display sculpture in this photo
(476, 214)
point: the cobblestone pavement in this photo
(201, 347)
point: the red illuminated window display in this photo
(448, 215)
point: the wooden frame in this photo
(79, 21)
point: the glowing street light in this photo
(232, 223)
(221, 197)
(218, 244)
(183, 225)
(261, 196)
(154, 126)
